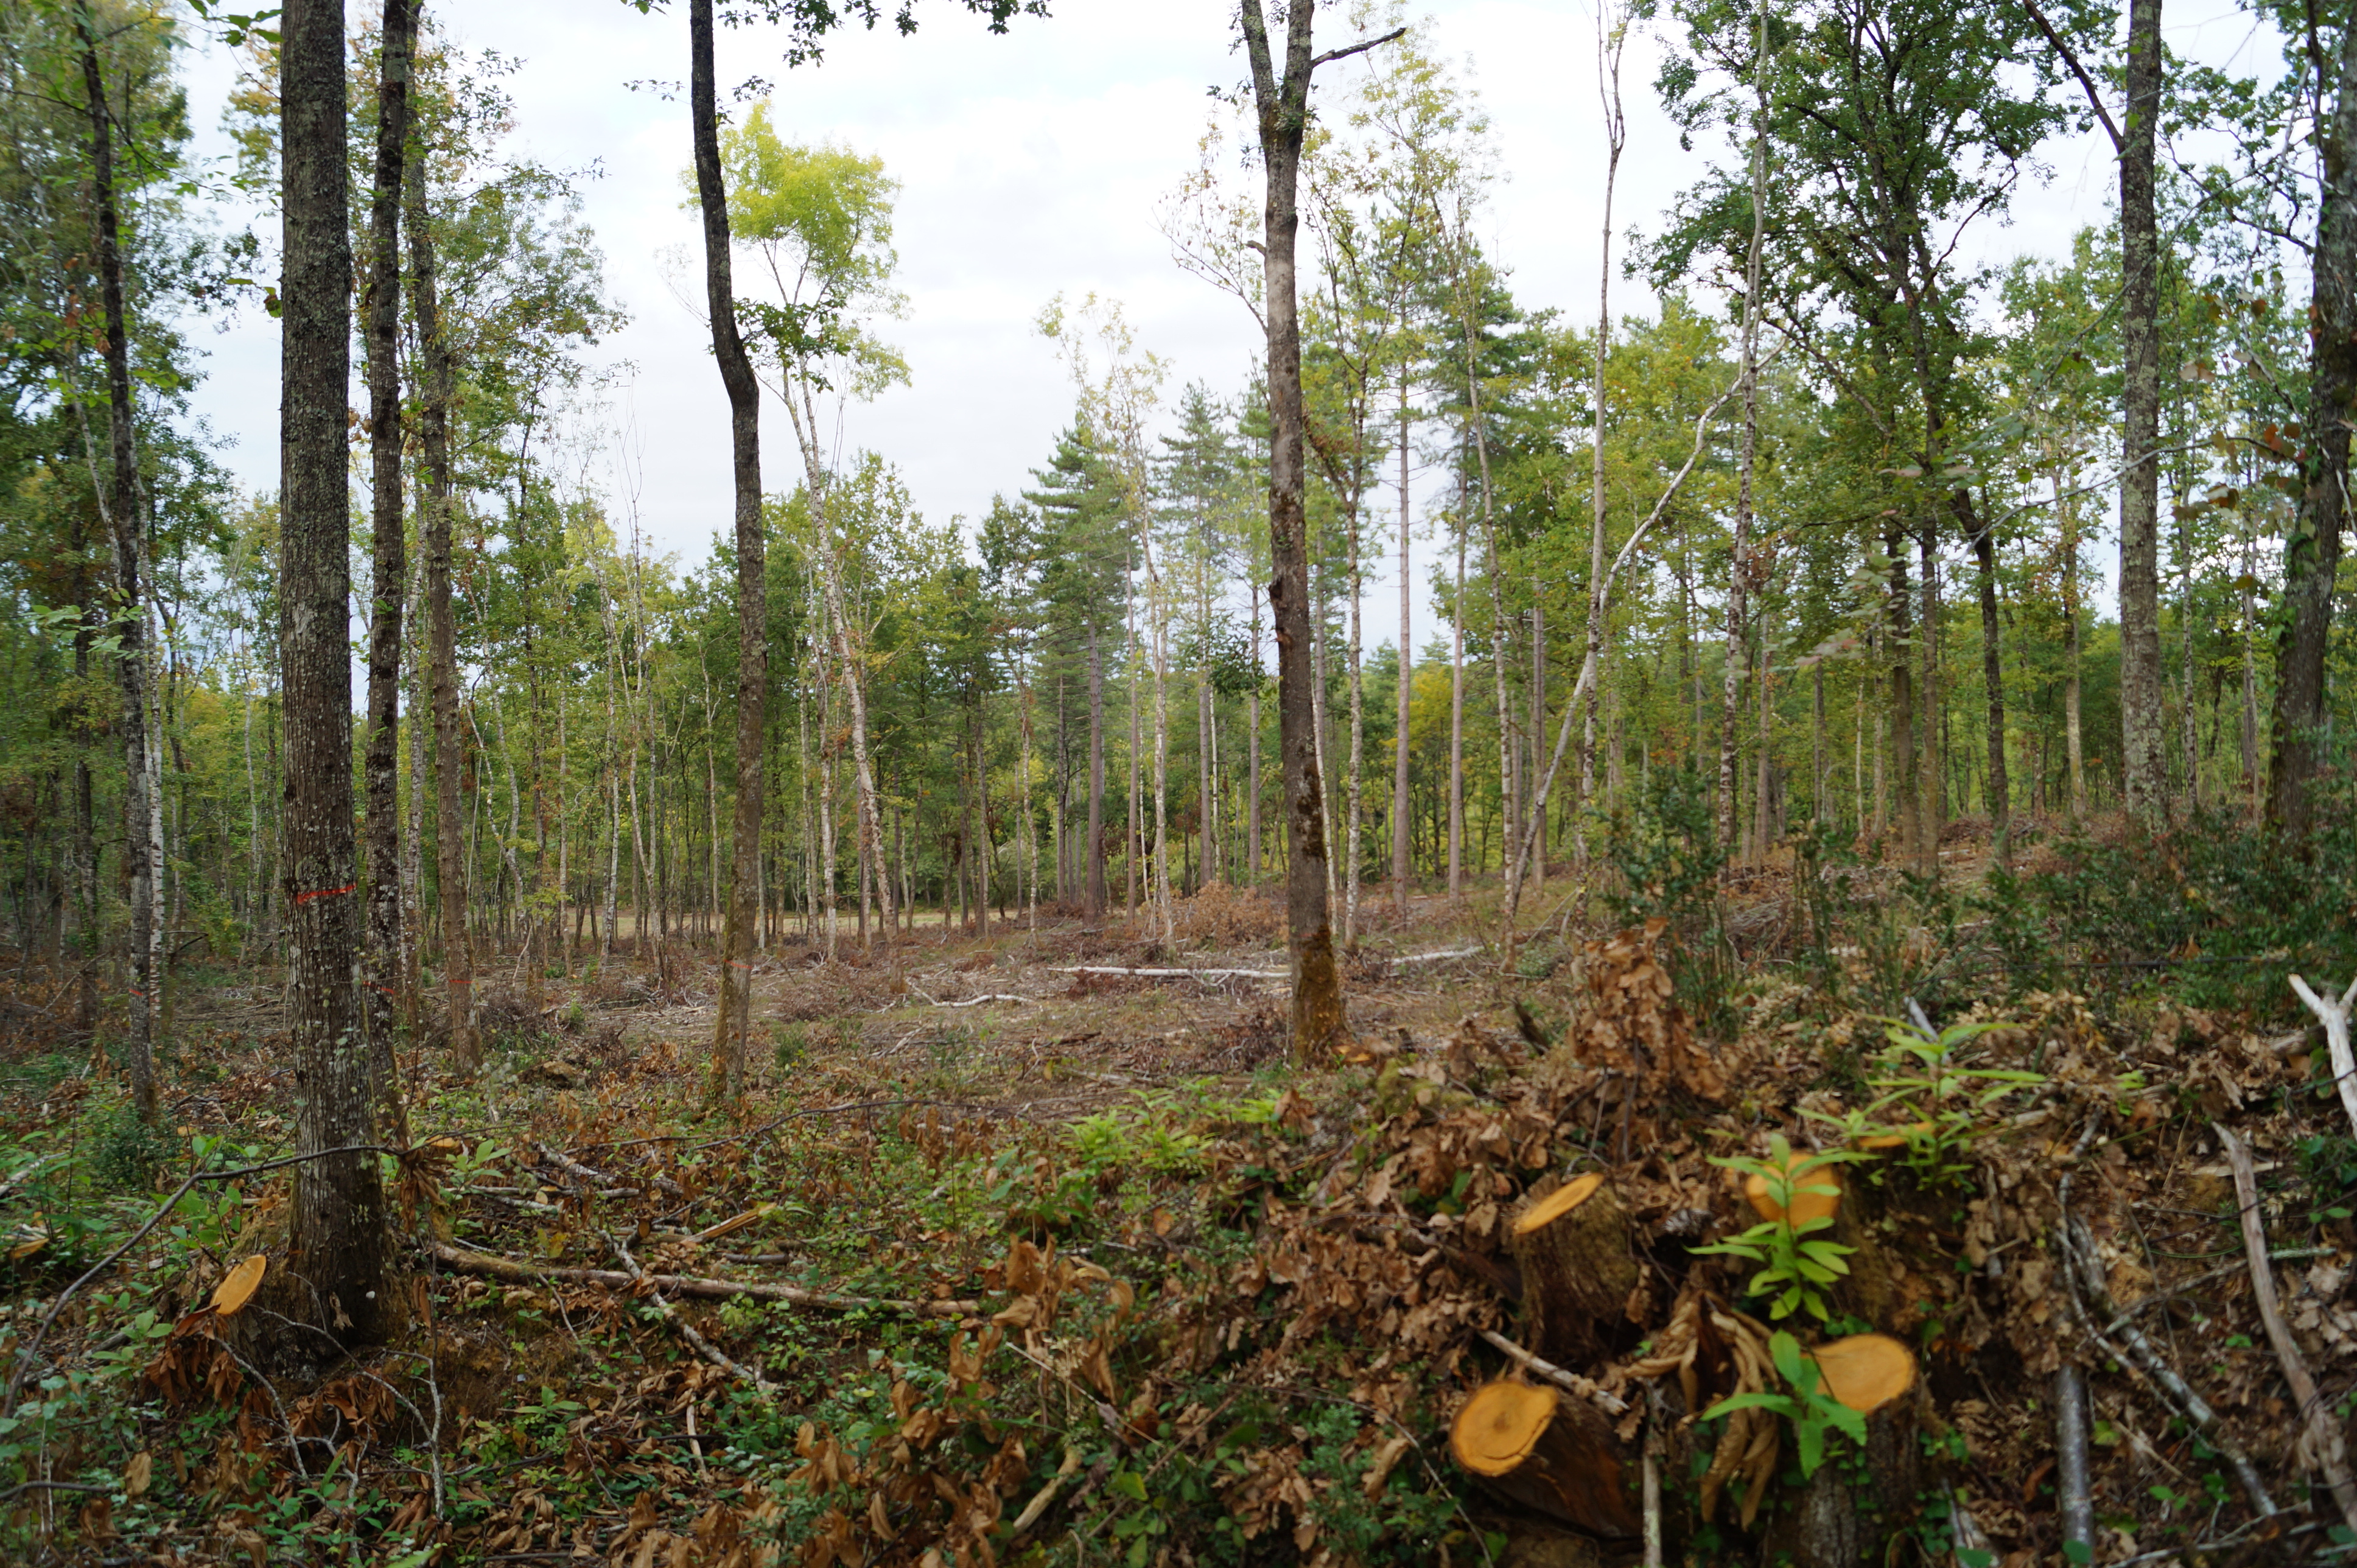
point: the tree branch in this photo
(1362, 47)
(2070, 60)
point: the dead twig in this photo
(687, 1331)
(491, 1266)
(2320, 1444)
(1177, 974)
(2070, 1458)
(575, 1168)
(2334, 1016)
(1587, 1389)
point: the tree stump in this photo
(1849, 1511)
(1554, 1456)
(1572, 1246)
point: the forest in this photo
(1715, 925)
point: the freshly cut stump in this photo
(1850, 1519)
(1550, 1454)
(1572, 1246)
(1866, 1372)
(1807, 1203)
(237, 1286)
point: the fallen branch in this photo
(2083, 1270)
(2322, 1444)
(1587, 1389)
(1178, 973)
(978, 1001)
(1047, 1494)
(575, 1168)
(1435, 957)
(490, 1265)
(2071, 1460)
(2334, 1016)
(687, 1331)
(2088, 1270)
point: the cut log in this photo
(237, 1286)
(1865, 1371)
(1556, 1457)
(1572, 1246)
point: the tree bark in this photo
(2071, 645)
(119, 502)
(1252, 759)
(1999, 791)
(1902, 703)
(1400, 852)
(1742, 572)
(732, 1023)
(436, 383)
(1354, 791)
(1095, 847)
(1319, 1025)
(383, 975)
(1457, 716)
(2141, 774)
(2312, 548)
(339, 1237)
(1609, 34)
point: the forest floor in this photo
(1004, 1260)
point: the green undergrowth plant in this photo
(1811, 1411)
(1796, 1263)
(1930, 1107)
(1665, 856)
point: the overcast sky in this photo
(1030, 163)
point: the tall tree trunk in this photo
(1399, 850)
(732, 1023)
(1999, 789)
(1094, 849)
(1319, 1025)
(412, 843)
(2312, 547)
(1817, 813)
(2248, 729)
(1457, 716)
(1901, 652)
(1610, 30)
(118, 497)
(1740, 576)
(1536, 741)
(340, 1232)
(1252, 760)
(2141, 772)
(1157, 616)
(2070, 649)
(1134, 853)
(1932, 694)
(436, 383)
(383, 974)
(1354, 792)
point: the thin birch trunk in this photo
(1457, 715)
(1612, 30)
(1740, 580)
